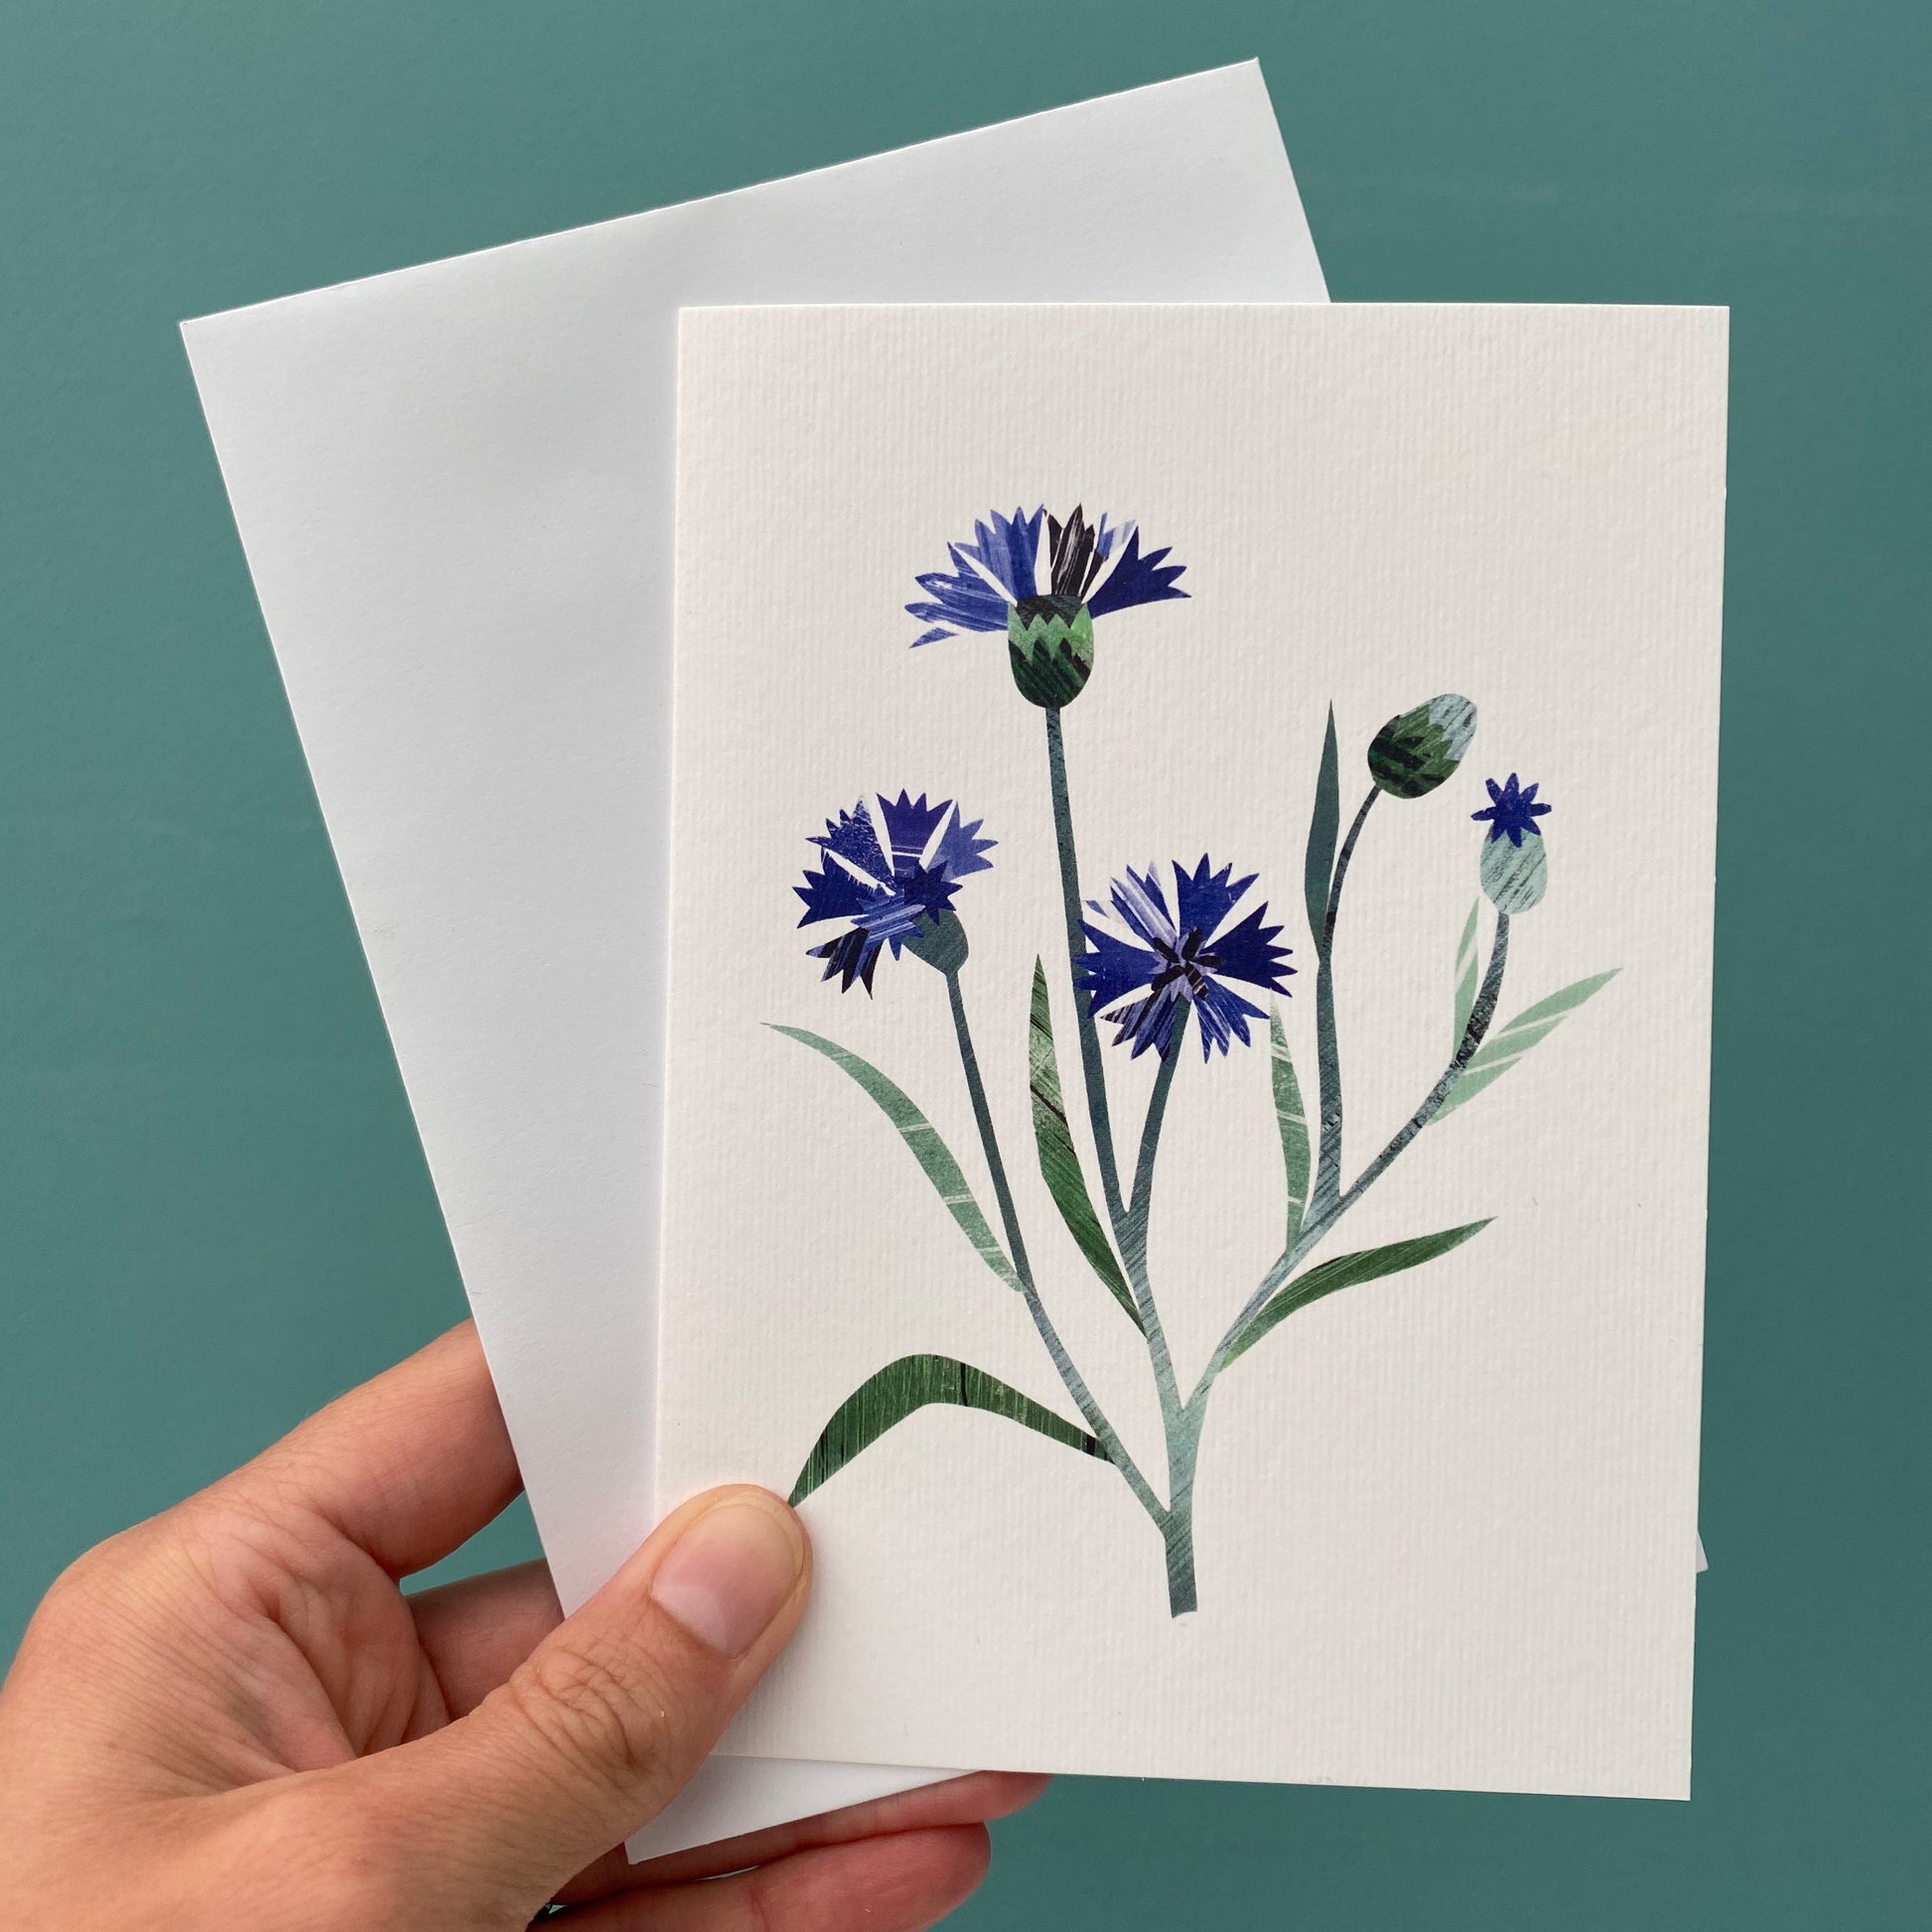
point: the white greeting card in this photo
(1191, 887)
(454, 484)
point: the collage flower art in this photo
(1169, 948)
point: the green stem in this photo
(1128, 1223)
(1327, 1173)
(1091, 1064)
(1481, 1015)
(1075, 1382)
(969, 1061)
(1133, 1247)
(1133, 1231)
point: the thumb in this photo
(607, 1718)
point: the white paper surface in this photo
(1440, 1517)
(454, 484)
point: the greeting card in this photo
(1192, 844)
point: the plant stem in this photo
(1129, 1222)
(1091, 1066)
(1327, 1173)
(1176, 1519)
(1134, 1230)
(1133, 1247)
(1076, 1386)
(1481, 1015)
(969, 1061)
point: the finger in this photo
(407, 1466)
(971, 1800)
(886, 1885)
(606, 1720)
(476, 1632)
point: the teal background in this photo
(214, 1213)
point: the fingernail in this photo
(729, 1574)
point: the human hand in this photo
(232, 1714)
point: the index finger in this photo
(407, 1466)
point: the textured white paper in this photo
(454, 487)
(1441, 1517)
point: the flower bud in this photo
(1050, 640)
(1515, 877)
(1413, 754)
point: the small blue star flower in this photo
(888, 899)
(1008, 567)
(1512, 810)
(1181, 958)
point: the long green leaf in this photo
(910, 1384)
(1507, 1044)
(1465, 978)
(929, 1150)
(1323, 824)
(1348, 1271)
(1292, 1122)
(1059, 1159)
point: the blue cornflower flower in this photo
(891, 901)
(1182, 958)
(1045, 595)
(1512, 810)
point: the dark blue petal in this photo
(965, 601)
(835, 894)
(852, 837)
(895, 916)
(960, 848)
(1008, 550)
(851, 956)
(1248, 952)
(927, 889)
(1144, 910)
(1113, 969)
(909, 827)
(1150, 1021)
(1136, 580)
(1202, 900)
(1222, 1012)
(1512, 810)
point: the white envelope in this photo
(454, 487)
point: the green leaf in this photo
(1292, 1121)
(1504, 1047)
(1465, 979)
(1059, 1159)
(929, 1150)
(1348, 1271)
(909, 1384)
(1323, 824)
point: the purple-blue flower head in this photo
(1179, 957)
(1027, 563)
(1512, 810)
(893, 891)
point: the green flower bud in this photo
(1050, 640)
(941, 942)
(1515, 876)
(1413, 754)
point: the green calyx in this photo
(941, 942)
(1515, 877)
(1413, 754)
(1049, 641)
